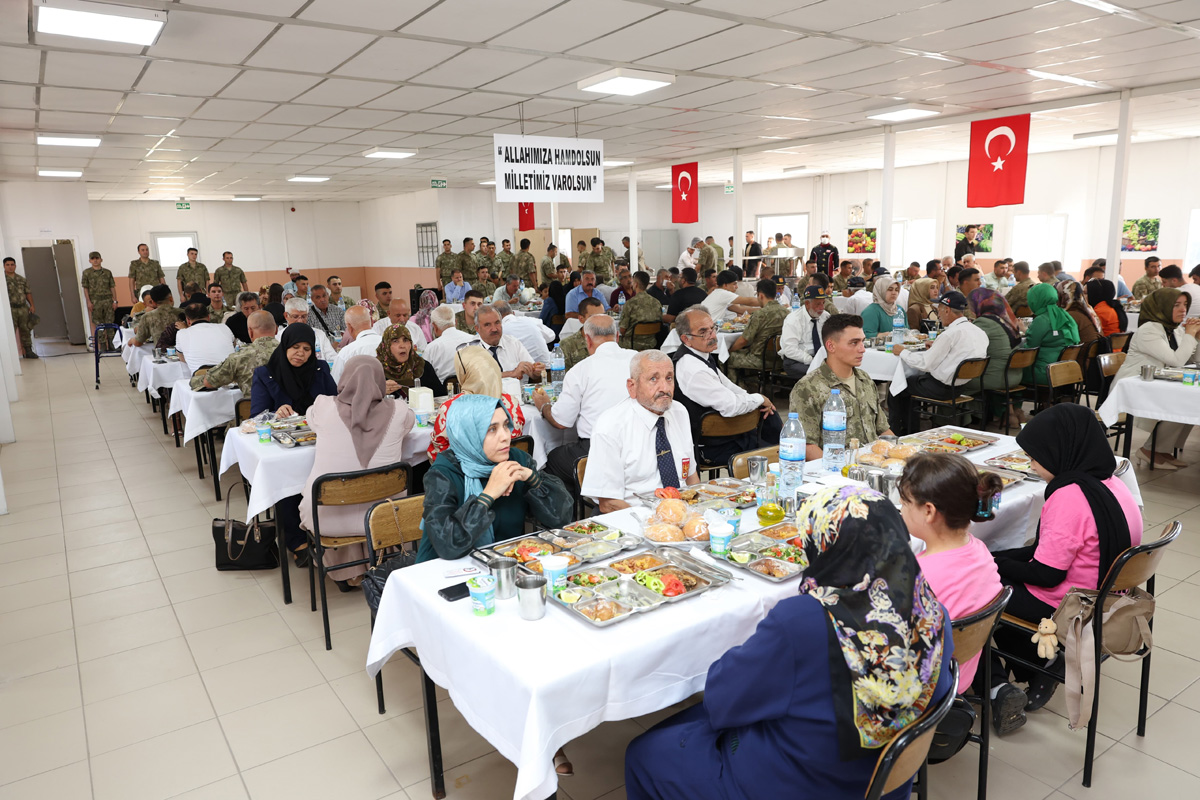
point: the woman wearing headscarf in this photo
(994, 317)
(555, 305)
(358, 428)
(477, 373)
(1102, 295)
(1052, 329)
(806, 705)
(274, 304)
(1073, 300)
(293, 377)
(427, 303)
(264, 294)
(402, 367)
(920, 302)
(1088, 519)
(877, 317)
(1159, 341)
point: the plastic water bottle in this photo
(898, 327)
(791, 455)
(833, 432)
(319, 351)
(558, 366)
(795, 300)
(621, 301)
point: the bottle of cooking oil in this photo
(770, 511)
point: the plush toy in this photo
(1046, 641)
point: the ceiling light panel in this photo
(385, 153)
(100, 21)
(50, 139)
(60, 173)
(308, 178)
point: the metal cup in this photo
(758, 469)
(857, 473)
(531, 596)
(505, 572)
(1147, 372)
(876, 479)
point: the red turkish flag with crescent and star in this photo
(525, 216)
(685, 193)
(999, 156)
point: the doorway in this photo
(54, 281)
(795, 224)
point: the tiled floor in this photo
(130, 668)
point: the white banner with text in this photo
(543, 169)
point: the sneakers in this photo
(1008, 709)
(1041, 689)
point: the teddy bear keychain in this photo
(1046, 640)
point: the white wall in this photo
(389, 227)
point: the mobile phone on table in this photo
(456, 592)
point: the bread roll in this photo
(672, 511)
(892, 462)
(696, 529)
(903, 452)
(871, 459)
(881, 448)
(662, 532)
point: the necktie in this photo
(713, 363)
(816, 336)
(496, 356)
(666, 459)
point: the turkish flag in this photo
(999, 156)
(685, 194)
(524, 216)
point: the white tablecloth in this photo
(546, 437)
(724, 340)
(879, 364)
(202, 411)
(153, 376)
(133, 364)
(277, 472)
(1168, 401)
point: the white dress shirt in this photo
(365, 344)
(510, 352)
(593, 386)
(204, 344)
(1192, 291)
(569, 327)
(710, 387)
(532, 333)
(686, 259)
(418, 336)
(717, 302)
(623, 458)
(440, 352)
(961, 340)
(795, 341)
(857, 303)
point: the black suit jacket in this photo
(750, 268)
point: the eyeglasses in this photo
(702, 332)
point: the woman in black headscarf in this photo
(1089, 518)
(275, 303)
(1102, 297)
(293, 377)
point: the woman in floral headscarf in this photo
(806, 705)
(402, 367)
(1073, 299)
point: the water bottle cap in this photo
(836, 391)
(793, 415)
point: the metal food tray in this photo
(565, 539)
(623, 612)
(686, 560)
(600, 533)
(605, 571)
(1026, 470)
(631, 556)
(1168, 374)
(946, 431)
(486, 554)
(729, 483)
(703, 583)
(596, 551)
(284, 439)
(631, 594)
(1009, 477)
(584, 595)
(795, 531)
(752, 541)
(793, 570)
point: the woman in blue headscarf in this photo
(480, 490)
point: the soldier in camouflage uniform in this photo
(746, 353)
(484, 284)
(99, 292)
(574, 346)
(526, 266)
(841, 281)
(152, 323)
(608, 253)
(506, 258)
(548, 268)
(487, 259)
(720, 251)
(465, 320)
(232, 280)
(192, 271)
(1017, 295)
(598, 262)
(482, 251)
(1150, 282)
(706, 257)
(239, 367)
(20, 300)
(641, 308)
(466, 261)
(144, 271)
(447, 260)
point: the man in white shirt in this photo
(595, 385)
(530, 330)
(510, 292)
(398, 314)
(959, 341)
(1193, 290)
(725, 295)
(801, 336)
(202, 343)
(687, 258)
(639, 444)
(702, 387)
(446, 340)
(295, 311)
(510, 354)
(859, 297)
(363, 340)
(1172, 278)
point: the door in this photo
(43, 283)
(70, 292)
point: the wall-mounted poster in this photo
(861, 240)
(1139, 236)
(983, 236)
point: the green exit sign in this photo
(437, 183)
(183, 206)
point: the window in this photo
(920, 242)
(170, 249)
(428, 245)
(1039, 237)
(768, 226)
(564, 243)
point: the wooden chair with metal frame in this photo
(713, 424)
(772, 366)
(1093, 353)
(1065, 380)
(523, 443)
(1135, 566)
(904, 756)
(583, 503)
(347, 489)
(1110, 365)
(1119, 341)
(739, 463)
(958, 407)
(1019, 358)
(645, 329)
(1070, 353)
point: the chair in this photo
(1119, 341)
(739, 464)
(1019, 358)
(712, 424)
(241, 411)
(391, 523)
(347, 489)
(1135, 566)
(904, 756)
(1089, 358)
(583, 503)
(559, 320)
(523, 443)
(1070, 352)
(776, 375)
(1065, 380)
(959, 407)
(973, 634)
(645, 329)
(1110, 364)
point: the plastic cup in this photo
(423, 418)
(555, 570)
(719, 537)
(1189, 377)
(264, 433)
(483, 595)
(170, 352)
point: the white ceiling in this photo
(238, 96)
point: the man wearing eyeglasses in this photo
(698, 375)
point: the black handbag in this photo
(241, 546)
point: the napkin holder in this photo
(420, 398)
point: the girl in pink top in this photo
(1088, 520)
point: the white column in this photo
(739, 235)
(1116, 212)
(634, 235)
(884, 235)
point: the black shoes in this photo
(1041, 689)
(1008, 709)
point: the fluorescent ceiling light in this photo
(68, 141)
(107, 23)
(380, 152)
(905, 113)
(246, 198)
(794, 170)
(60, 173)
(487, 183)
(1071, 79)
(308, 178)
(626, 82)
(793, 119)
(609, 163)
(1097, 134)
(663, 186)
